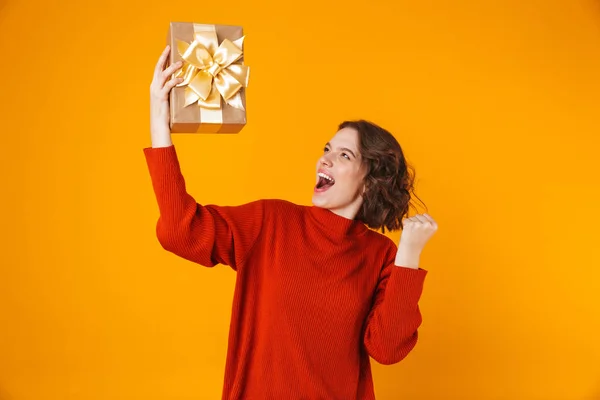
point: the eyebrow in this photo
(343, 149)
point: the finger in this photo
(431, 220)
(168, 72)
(172, 69)
(408, 221)
(161, 61)
(427, 217)
(171, 84)
(421, 219)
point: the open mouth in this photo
(325, 182)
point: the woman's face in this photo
(340, 175)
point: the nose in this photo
(324, 160)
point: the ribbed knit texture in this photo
(316, 294)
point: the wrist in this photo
(161, 139)
(407, 257)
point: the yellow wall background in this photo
(496, 104)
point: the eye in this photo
(345, 155)
(326, 149)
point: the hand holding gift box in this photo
(211, 98)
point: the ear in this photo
(363, 189)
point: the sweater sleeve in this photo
(204, 234)
(391, 328)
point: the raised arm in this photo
(393, 323)
(205, 234)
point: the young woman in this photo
(317, 292)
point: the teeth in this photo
(322, 175)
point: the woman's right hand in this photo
(161, 86)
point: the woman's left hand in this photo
(416, 232)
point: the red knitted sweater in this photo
(316, 294)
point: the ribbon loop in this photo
(211, 71)
(214, 69)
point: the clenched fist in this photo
(416, 232)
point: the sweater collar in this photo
(336, 224)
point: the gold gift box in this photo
(212, 98)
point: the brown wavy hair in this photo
(389, 179)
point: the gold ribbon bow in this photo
(211, 71)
